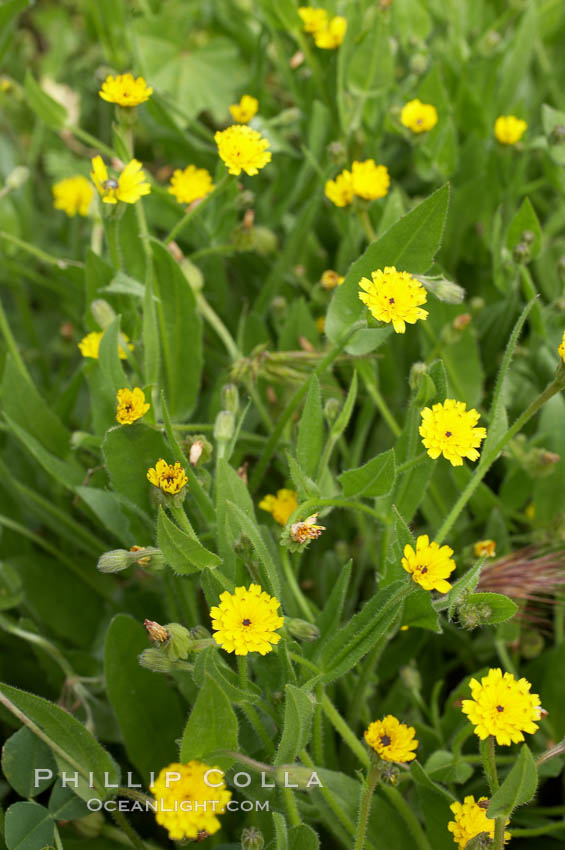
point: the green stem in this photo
(408, 817)
(381, 404)
(125, 825)
(11, 343)
(554, 387)
(365, 807)
(364, 217)
(92, 141)
(488, 755)
(345, 731)
(410, 463)
(539, 830)
(195, 209)
(301, 600)
(112, 227)
(311, 505)
(291, 807)
(505, 659)
(49, 259)
(215, 322)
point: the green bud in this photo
(199, 633)
(445, 290)
(17, 177)
(179, 642)
(477, 304)
(103, 313)
(297, 777)
(252, 839)
(539, 462)
(301, 629)
(532, 643)
(528, 236)
(279, 306)
(421, 383)
(411, 677)
(114, 561)
(521, 253)
(230, 398)
(337, 152)
(418, 63)
(264, 240)
(472, 616)
(198, 449)
(154, 659)
(224, 426)
(388, 772)
(126, 115)
(331, 410)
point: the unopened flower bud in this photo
(421, 383)
(460, 322)
(484, 549)
(301, 629)
(199, 633)
(230, 398)
(252, 839)
(443, 289)
(477, 304)
(330, 279)
(198, 448)
(156, 632)
(224, 426)
(418, 63)
(337, 152)
(539, 462)
(528, 236)
(521, 253)
(179, 643)
(155, 660)
(114, 561)
(471, 616)
(17, 177)
(331, 410)
(388, 772)
(279, 306)
(103, 313)
(296, 776)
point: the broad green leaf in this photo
(23, 754)
(330, 615)
(123, 284)
(11, 590)
(68, 473)
(441, 765)
(311, 430)
(525, 221)
(49, 110)
(212, 726)
(420, 613)
(129, 452)
(209, 663)
(109, 358)
(180, 328)
(281, 832)
(106, 507)
(410, 245)
(184, 554)
(28, 826)
(516, 59)
(271, 581)
(518, 788)
(303, 837)
(74, 748)
(65, 805)
(494, 607)
(298, 713)
(551, 119)
(230, 488)
(421, 777)
(375, 478)
(148, 710)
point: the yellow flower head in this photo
(167, 477)
(300, 532)
(331, 279)
(502, 707)
(484, 548)
(332, 35)
(242, 149)
(244, 111)
(246, 621)
(340, 191)
(128, 187)
(191, 184)
(313, 19)
(448, 429)
(90, 345)
(73, 195)
(125, 90)
(391, 739)
(418, 117)
(561, 348)
(131, 405)
(430, 565)
(280, 506)
(508, 129)
(395, 297)
(186, 802)
(370, 181)
(470, 820)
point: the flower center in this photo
(448, 433)
(423, 570)
(246, 622)
(391, 300)
(385, 740)
(500, 708)
(110, 183)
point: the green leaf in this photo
(298, 713)
(354, 640)
(75, 749)
(210, 663)
(212, 726)
(303, 837)
(28, 826)
(420, 613)
(410, 245)
(311, 430)
(22, 754)
(344, 416)
(281, 832)
(148, 711)
(230, 488)
(49, 110)
(109, 358)
(248, 526)
(11, 590)
(551, 119)
(499, 607)
(65, 805)
(68, 473)
(330, 615)
(462, 588)
(525, 220)
(107, 509)
(375, 478)
(123, 284)
(181, 334)
(420, 777)
(129, 452)
(305, 486)
(518, 788)
(184, 554)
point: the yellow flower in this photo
(167, 477)
(370, 181)
(561, 348)
(331, 279)
(340, 191)
(484, 548)
(320, 324)
(128, 187)
(280, 506)
(508, 129)
(391, 739)
(418, 117)
(395, 297)
(188, 800)
(430, 565)
(448, 429)
(73, 195)
(314, 19)
(191, 184)
(131, 405)
(471, 820)
(300, 532)
(242, 149)
(332, 35)
(125, 90)
(246, 621)
(502, 707)
(90, 345)
(244, 111)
